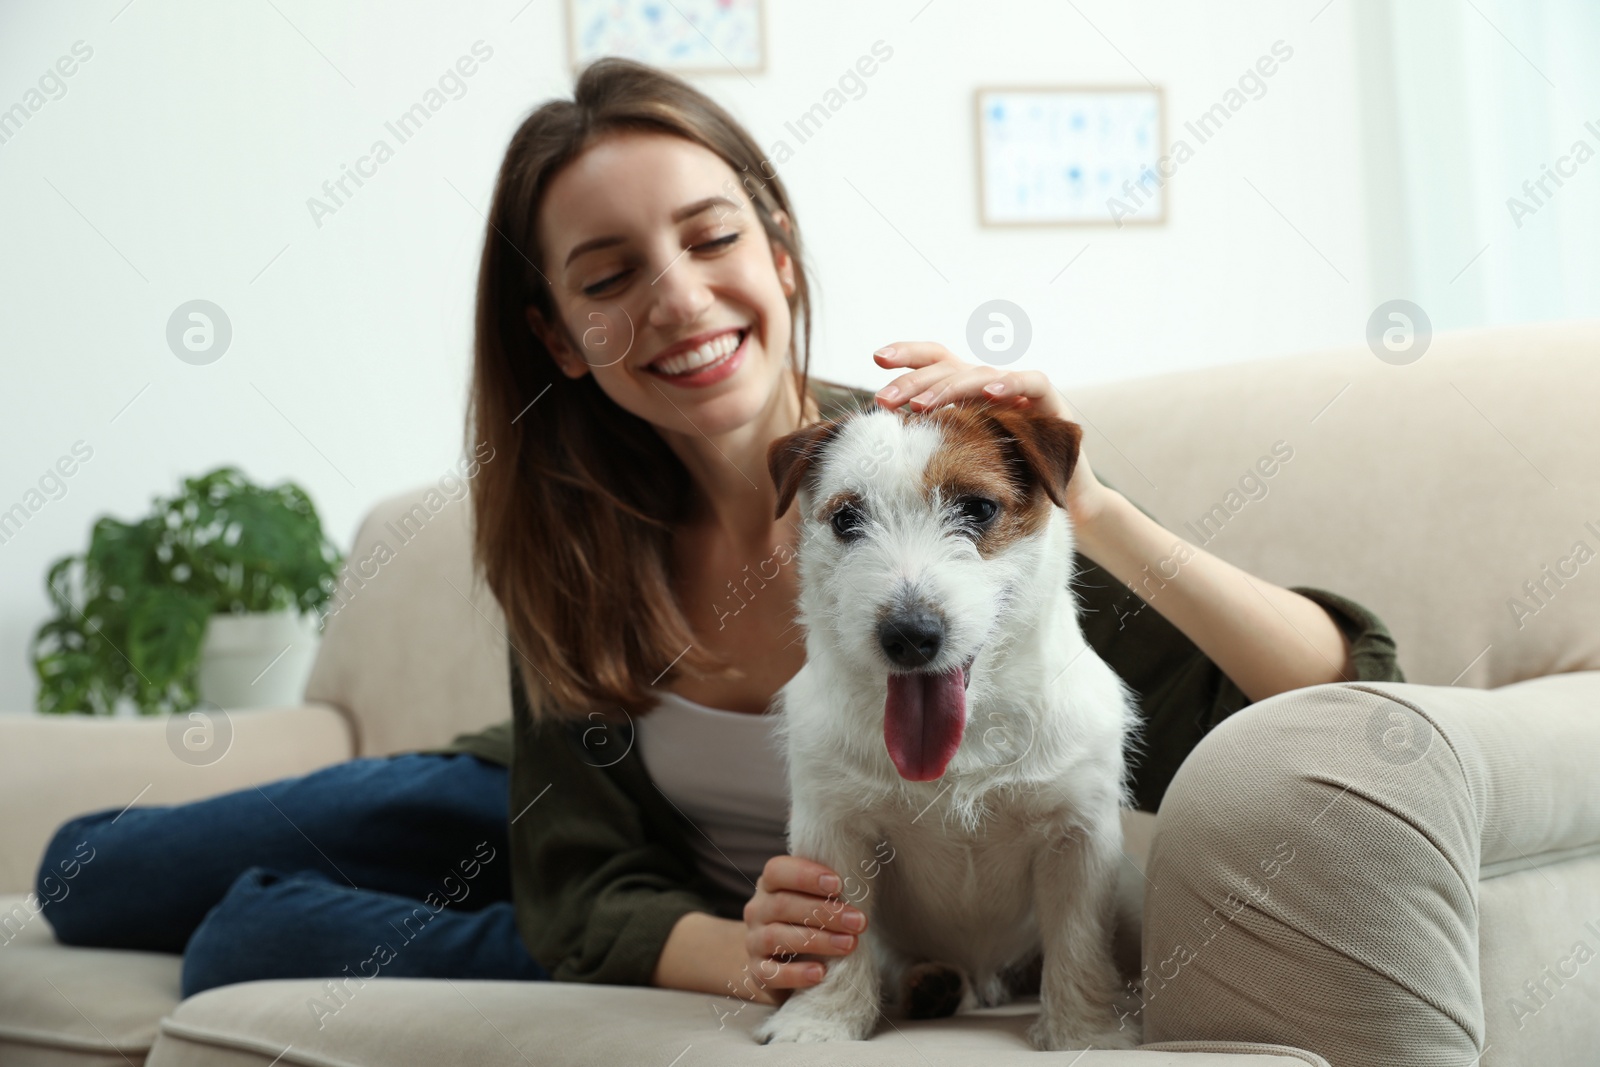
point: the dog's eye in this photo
(977, 510)
(848, 522)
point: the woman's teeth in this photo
(713, 351)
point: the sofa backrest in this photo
(414, 650)
(1437, 493)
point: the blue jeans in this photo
(391, 866)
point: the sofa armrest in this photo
(55, 767)
(1540, 746)
(1423, 855)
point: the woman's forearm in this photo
(1266, 638)
(706, 954)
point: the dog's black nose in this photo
(911, 639)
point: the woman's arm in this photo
(601, 873)
(1266, 638)
(704, 954)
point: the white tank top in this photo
(724, 771)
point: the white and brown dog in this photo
(955, 747)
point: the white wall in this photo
(179, 161)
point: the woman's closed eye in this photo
(601, 286)
(714, 245)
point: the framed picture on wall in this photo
(1071, 155)
(683, 36)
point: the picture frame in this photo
(1056, 155)
(667, 35)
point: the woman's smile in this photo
(704, 359)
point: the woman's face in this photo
(670, 292)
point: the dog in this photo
(956, 750)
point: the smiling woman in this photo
(665, 301)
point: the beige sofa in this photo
(1430, 492)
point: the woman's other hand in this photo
(793, 922)
(934, 376)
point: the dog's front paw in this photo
(809, 1018)
(1049, 1034)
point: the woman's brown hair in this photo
(574, 515)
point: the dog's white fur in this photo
(1015, 849)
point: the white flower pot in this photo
(258, 660)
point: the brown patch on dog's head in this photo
(1023, 460)
(790, 459)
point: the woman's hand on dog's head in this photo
(794, 921)
(933, 376)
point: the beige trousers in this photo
(1385, 874)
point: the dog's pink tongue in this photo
(922, 722)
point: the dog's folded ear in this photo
(1045, 445)
(790, 457)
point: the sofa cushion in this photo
(79, 1006)
(395, 1022)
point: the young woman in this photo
(642, 337)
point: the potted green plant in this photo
(157, 611)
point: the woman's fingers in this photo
(912, 354)
(786, 872)
(939, 377)
(931, 362)
(927, 380)
(941, 384)
(787, 940)
(1032, 385)
(776, 975)
(802, 909)
(963, 381)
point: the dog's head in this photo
(923, 537)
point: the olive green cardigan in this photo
(601, 865)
